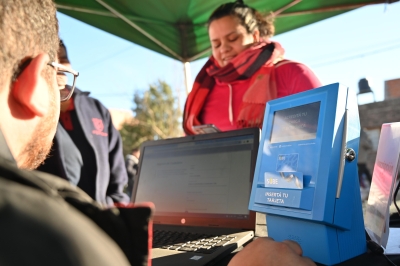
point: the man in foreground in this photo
(37, 225)
(42, 221)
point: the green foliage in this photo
(157, 116)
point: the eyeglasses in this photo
(66, 79)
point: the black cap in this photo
(62, 54)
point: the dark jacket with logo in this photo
(65, 159)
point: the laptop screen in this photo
(199, 178)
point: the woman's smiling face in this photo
(228, 38)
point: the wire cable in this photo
(105, 58)
(354, 50)
(397, 46)
(395, 196)
(377, 249)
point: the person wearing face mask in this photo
(245, 71)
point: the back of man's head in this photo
(29, 96)
(27, 28)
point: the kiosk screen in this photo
(297, 123)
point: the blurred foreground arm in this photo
(265, 251)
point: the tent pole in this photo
(188, 77)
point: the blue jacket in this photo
(65, 159)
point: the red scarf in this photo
(245, 65)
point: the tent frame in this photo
(186, 61)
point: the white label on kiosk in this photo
(291, 180)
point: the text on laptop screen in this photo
(207, 177)
(297, 123)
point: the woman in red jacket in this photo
(245, 71)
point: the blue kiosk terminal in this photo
(306, 177)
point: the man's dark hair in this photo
(27, 28)
(62, 54)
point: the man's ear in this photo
(31, 90)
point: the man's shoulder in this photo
(49, 231)
(64, 188)
(49, 184)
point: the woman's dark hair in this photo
(248, 17)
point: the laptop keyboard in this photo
(193, 242)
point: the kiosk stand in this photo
(306, 176)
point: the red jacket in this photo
(223, 102)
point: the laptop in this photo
(200, 186)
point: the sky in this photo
(363, 43)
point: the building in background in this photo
(119, 117)
(372, 116)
